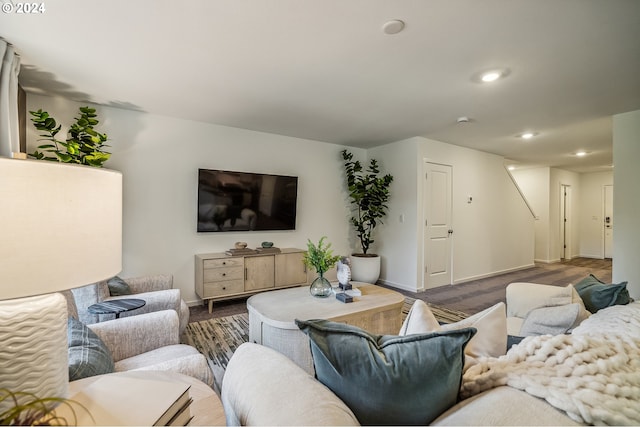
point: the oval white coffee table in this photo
(272, 317)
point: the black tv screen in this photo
(241, 201)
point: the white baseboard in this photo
(399, 286)
(495, 273)
(458, 281)
(591, 256)
(547, 261)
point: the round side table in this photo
(116, 306)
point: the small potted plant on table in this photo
(321, 259)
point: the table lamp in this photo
(60, 228)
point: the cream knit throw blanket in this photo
(593, 375)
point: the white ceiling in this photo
(324, 69)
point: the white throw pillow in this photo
(491, 338)
(420, 320)
(489, 341)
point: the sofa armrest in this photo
(259, 379)
(157, 282)
(168, 299)
(130, 336)
(523, 297)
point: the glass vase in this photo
(320, 287)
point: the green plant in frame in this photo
(84, 144)
(320, 257)
(369, 193)
(28, 410)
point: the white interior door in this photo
(608, 221)
(437, 209)
(565, 222)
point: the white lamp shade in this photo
(60, 226)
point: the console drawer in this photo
(226, 287)
(223, 262)
(224, 273)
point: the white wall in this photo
(541, 187)
(535, 185)
(159, 158)
(396, 240)
(591, 213)
(626, 200)
(493, 234)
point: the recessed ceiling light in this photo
(581, 153)
(393, 27)
(527, 135)
(492, 75)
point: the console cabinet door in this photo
(290, 270)
(259, 272)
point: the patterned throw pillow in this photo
(388, 379)
(88, 355)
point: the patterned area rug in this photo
(218, 338)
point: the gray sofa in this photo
(527, 386)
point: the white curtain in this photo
(9, 131)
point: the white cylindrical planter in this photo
(365, 268)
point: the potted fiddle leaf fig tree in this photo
(369, 195)
(84, 145)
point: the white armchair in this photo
(151, 342)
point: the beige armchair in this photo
(156, 290)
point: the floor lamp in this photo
(60, 228)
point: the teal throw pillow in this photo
(118, 287)
(88, 356)
(597, 295)
(388, 379)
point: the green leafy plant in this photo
(84, 145)
(320, 257)
(369, 193)
(28, 410)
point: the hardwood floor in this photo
(474, 296)
(470, 297)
